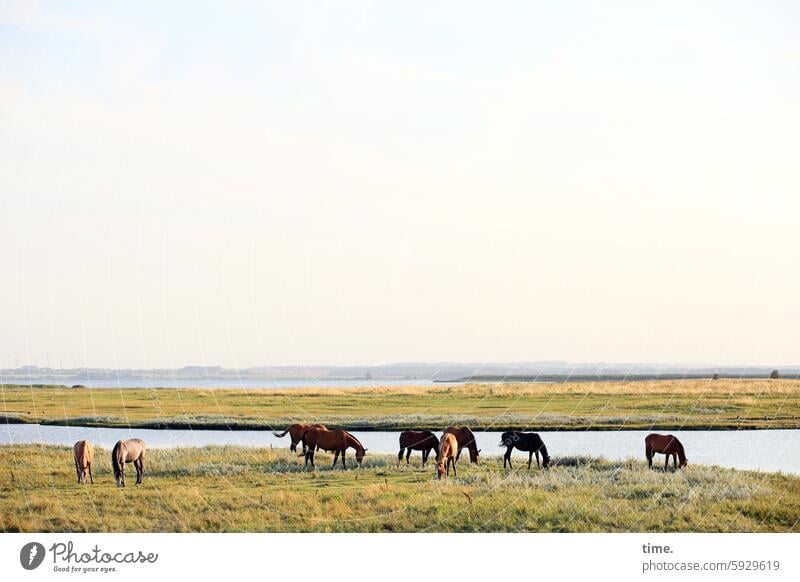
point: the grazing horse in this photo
(665, 444)
(530, 442)
(84, 455)
(447, 455)
(331, 440)
(417, 440)
(130, 451)
(296, 434)
(466, 440)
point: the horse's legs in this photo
(335, 458)
(649, 454)
(666, 465)
(400, 455)
(675, 460)
(138, 465)
(530, 458)
(507, 457)
(293, 446)
(455, 473)
(458, 455)
(425, 455)
(408, 454)
(344, 466)
(91, 478)
(78, 469)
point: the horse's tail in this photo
(280, 434)
(115, 458)
(304, 441)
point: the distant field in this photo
(229, 489)
(694, 404)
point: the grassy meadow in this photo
(689, 404)
(236, 489)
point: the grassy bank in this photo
(216, 489)
(694, 404)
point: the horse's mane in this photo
(355, 439)
(681, 452)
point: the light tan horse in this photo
(84, 455)
(448, 454)
(466, 440)
(130, 451)
(296, 434)
(331, 440)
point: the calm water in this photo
(766, 450)
(245, 383)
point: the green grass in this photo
(230, 489)
(694, 404)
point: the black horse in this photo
(524, 441)
(417, 440)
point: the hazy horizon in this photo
(260, 182)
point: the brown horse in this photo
(466, 440)
(84, 455)
(296, 434)
(130, 451)
(417, 440)
(447, 456)
(331, 440)
(665, 444)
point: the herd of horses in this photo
(129, 451)
(447, 449)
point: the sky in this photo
(296, 183)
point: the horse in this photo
(331, 440)
(447, 455)
(466, 440)
(84, 455)
(130, 451)
(530, 442)
(417, 440)
(665, 444)
(296, 434)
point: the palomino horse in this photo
(417, 440)
(130, 451)
(84, 455)
(529, 442)
(331, 440)
(665, 444)
(466, 440)
(447, 455)
(296, 434)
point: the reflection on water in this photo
(766, 450)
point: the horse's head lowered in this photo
(440, 470)
(473, 454)
(360, 454)
(684, 462)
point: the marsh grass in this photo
(225, 489)
(720, 404)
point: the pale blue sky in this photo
(359, 182)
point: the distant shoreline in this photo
(563, 378)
